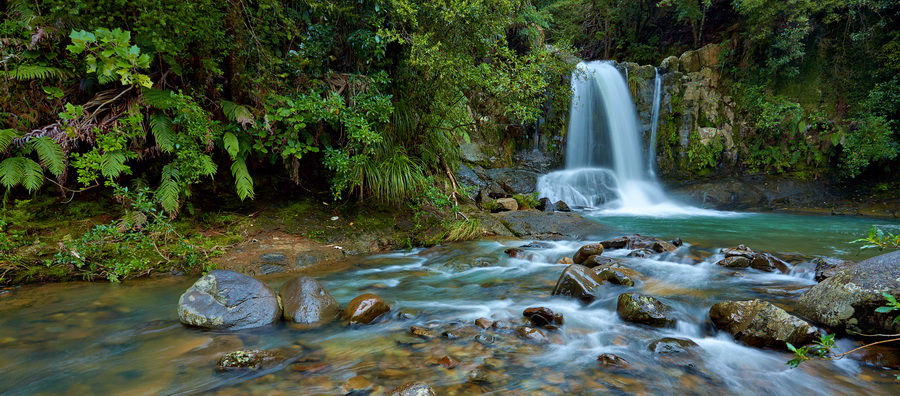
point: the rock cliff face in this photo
(694, 115)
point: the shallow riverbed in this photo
(99, 338)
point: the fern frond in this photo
(232, 145)
(50, 153)
(112, 164)
(243, 183)
(159, 98)
(169, 190)
(12, 170)
(32, 72)
(207, 165)
(33, 177)
(237, 113)
(161, 128)
(6, 137)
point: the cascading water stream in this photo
(605, 166)
(654, 122)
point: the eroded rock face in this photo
(577, 281)
(639, 308)
(761, 324)
(826, 267)
(228, 300)
(306, 302)
(587, 251)
(846, 302)
(365, 308)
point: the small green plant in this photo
(877, 238)
(819, 350)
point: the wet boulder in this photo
(826, 267)
(662, 247)
(539, 316)
(565, 260)
(306, 302)
(365, 309)
(587, 251)
(740, 251)
(597, 260)
(641, 253)
(615, 277)
(761, 324)
(847, 301)
(639, 308)
(768, 263)
(416, 388)
(734, 262)
(577, 281)
(228, 300)
(609, 359)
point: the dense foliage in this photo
(372, 96)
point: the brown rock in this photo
(608, 359)
(638, 308)
(767, 262)
(515, 253)
(358, 384)
(597, 260)
(449, 362)
(506, 205)
(734, 262)
(484, 323)
(532, 334)
(565, 260)
(826, 267)
(365, 308)
(592, 249)
(662, 247)
(539, 316)
(306, 302)
(420, 332)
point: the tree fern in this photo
(161, 128)
(31, 72)
(6, 137)
(159, 98)
(50, 153)
(237, 113)
(112, 164)
(12, 170)
(232, 145)
(33, 177)
(169, 190)
(207, 165)
(243, 183)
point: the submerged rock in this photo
(761, 324)
(609, 359)
(306, 302)
(483, 323)
(672, 345)
(548, 225)
(416, 388)
(639, 308)
(577, 281)
(244, 360)
(587, 251)
(365, 308)
(228, 300)
(826, 267)
(847, 301)
(532, 334)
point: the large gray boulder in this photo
(306, 302)
(846, 302)
(761, 324)
(228, 300)
(577, 281)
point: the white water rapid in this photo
(605, 166)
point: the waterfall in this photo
(654, 122)
(605, 165)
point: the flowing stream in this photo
(99, 338)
